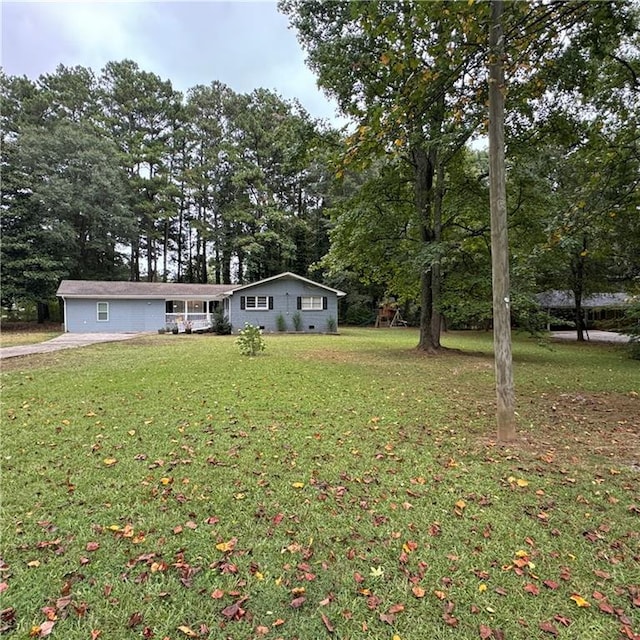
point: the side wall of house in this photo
(284, 293)
(122, 316)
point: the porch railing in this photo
(198, 321)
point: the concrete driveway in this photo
(65, 341)
(592, 336)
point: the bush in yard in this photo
(332, 325)
(297, 321)
(281, 323)
(250, 341)
(221, 324)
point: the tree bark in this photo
(424, 168)
(505, 396)
(578, 291)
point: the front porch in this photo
(196, 315)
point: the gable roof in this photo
(292, 276)
(166, 290)
(140, 290)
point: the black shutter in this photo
(299, 302)
(242, 302)
(324, 302)
(270, 303)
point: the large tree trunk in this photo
(436, 275)
(43, 312)
(578, 291)
(424, 166)
(505, 395)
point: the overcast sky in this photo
(245, 44)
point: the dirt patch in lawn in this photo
(578, 427)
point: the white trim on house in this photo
(286, 274)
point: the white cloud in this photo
(246, 45)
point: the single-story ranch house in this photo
(596, 307)
(284, 301)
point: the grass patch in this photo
(17, 334)
(334, 486)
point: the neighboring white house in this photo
(286, 300)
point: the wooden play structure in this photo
(389, 316)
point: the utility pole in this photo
(505, 395)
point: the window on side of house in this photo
(257, 303)
(312, 303)
(103, 311)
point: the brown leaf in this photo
(485, 632)
(550, 584)
(296, 603)
(234, 611)
(605, 607)
(92, 546)
(389, 618)
(532, 589)
(565, 622)
(216, 594)
(418, 591)
(327, 623)
(134, 619)
(396, 608)
(548, 627)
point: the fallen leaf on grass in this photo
(565, 622)
(532, 589)
(418, 591)
(43, 630)
(226, 547)
(485, 632)
(579, 600)
(188, 631)
(548, 627)
(134, 619)
(327, 623)
(296, 603)
(234, 611)
(109, 462)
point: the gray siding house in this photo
(128, 307)
(288, 296)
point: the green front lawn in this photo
(332, 487)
